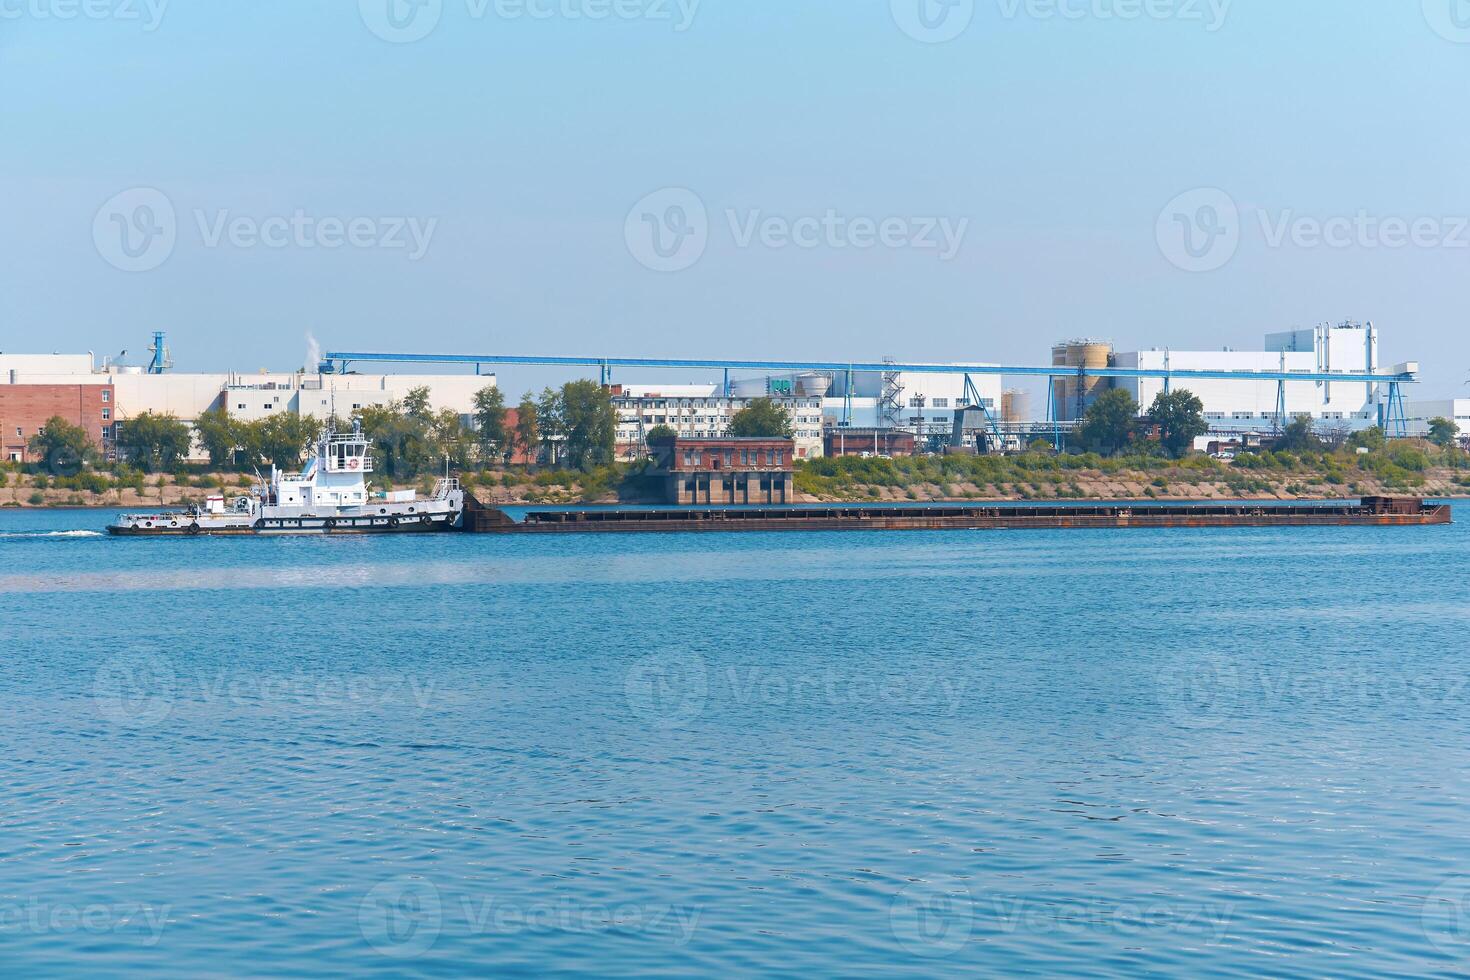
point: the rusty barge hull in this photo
(1371, 512)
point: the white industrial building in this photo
(921, 403)
(702, 411)
(246, 396)
(1457, 410)
(1245, 405)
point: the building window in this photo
(106, 396)
(240, 407)
(941, 403)
(106, 414)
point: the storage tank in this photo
(1062, 389)
(1015, 406)
(813, 385)
(1088, 354)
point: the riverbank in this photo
(1402, 468)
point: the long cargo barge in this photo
(1370, 511)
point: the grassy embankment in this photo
(1402, 467)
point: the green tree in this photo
(762, 418)
(1443, 432)
(490, 413)
(1180, 416)
(416, 405)
(588, 423)
(402, 448)
(550, 424)
(153, 442)
(452, 441)
(1299, 436)
(1371, 439)
(1110, 422)
(527, 435)
(64, 447)
(219, 434)
(660, 433)
(283, 438)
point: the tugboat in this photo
(329, 496)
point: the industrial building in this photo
(33, 387)
(725, 470)
(818, 402)
(1457, 410)
(704, 412)
(887, 407)
(25, 410)
(1242, 404)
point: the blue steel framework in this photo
(1392, 417)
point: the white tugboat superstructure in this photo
(329, 496)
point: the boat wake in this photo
(49, 534)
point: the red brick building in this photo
(725, 470)
(24, 410)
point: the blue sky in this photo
(1054, 134)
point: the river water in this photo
(1111, 753)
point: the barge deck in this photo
(1371, 511)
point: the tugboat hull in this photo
(367, 524)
